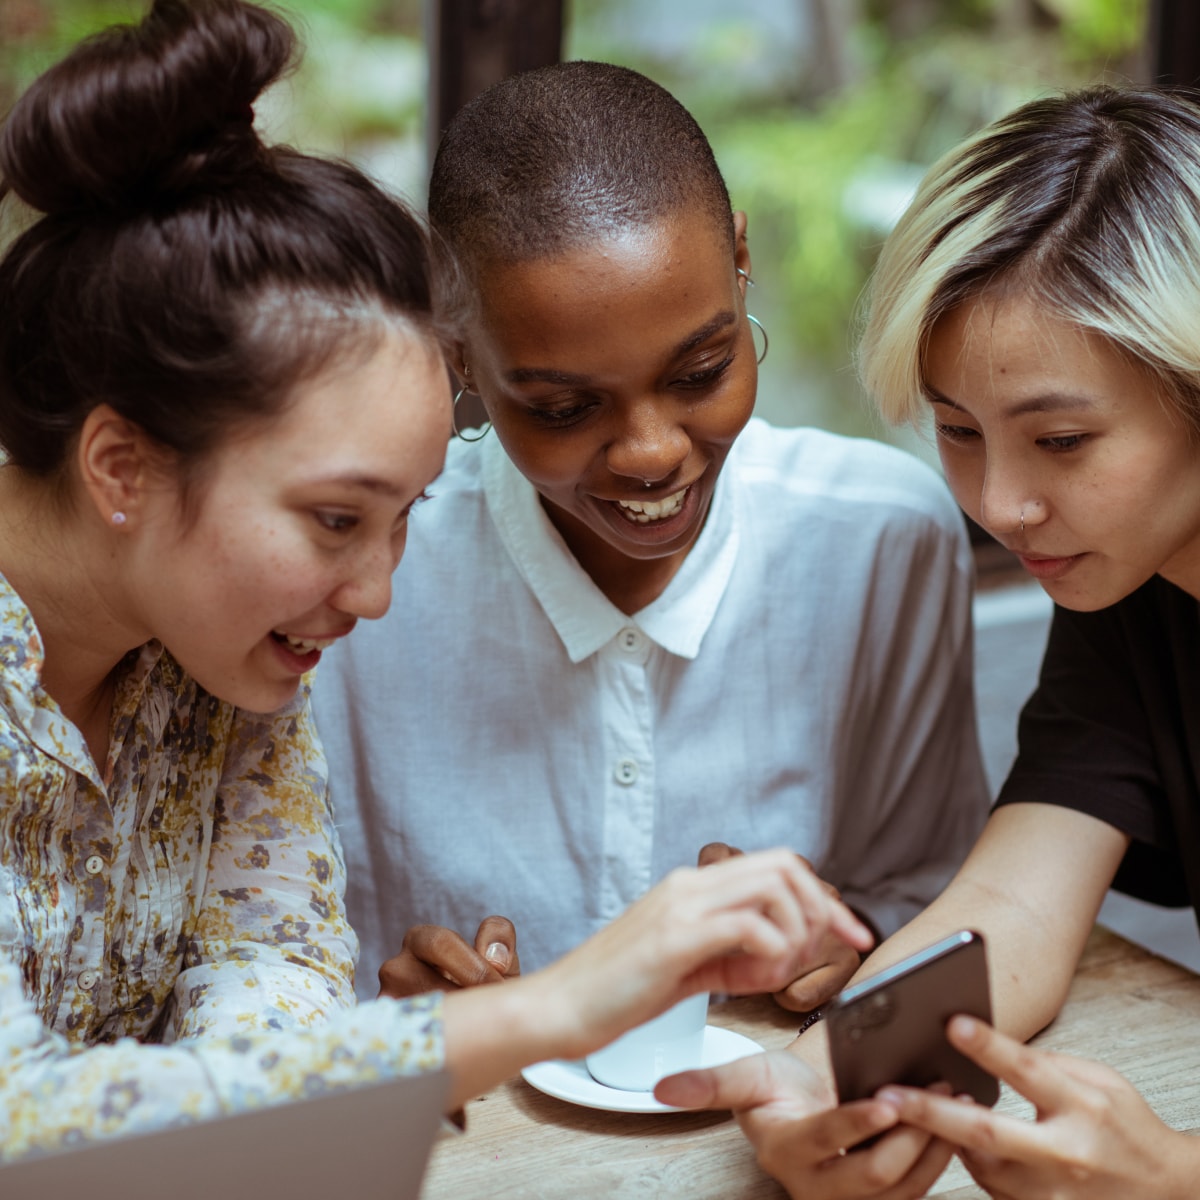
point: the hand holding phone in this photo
(891, 1028)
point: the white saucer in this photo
(570, 1081)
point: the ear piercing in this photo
(118, 518)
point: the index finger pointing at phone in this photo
(1030, 1071)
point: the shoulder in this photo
(870, 482)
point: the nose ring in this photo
(1022, 520)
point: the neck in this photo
(69, 579)
(629, 583)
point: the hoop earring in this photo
(458, 433)
(746, 276)
(766, 340)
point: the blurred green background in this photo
(822, 113)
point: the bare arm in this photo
(1032, 886)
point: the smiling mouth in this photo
(643, 512)
(302, 645)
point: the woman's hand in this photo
(742, 926)
(830, 968)
(789, 1116)
(432, 957)
(1094, 1138)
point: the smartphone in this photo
(891, 1028)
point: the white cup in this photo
(637, 1060)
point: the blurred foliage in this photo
(823, 157)
(821, 136)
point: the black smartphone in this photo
(891, 1028)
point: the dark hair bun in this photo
(142, 111)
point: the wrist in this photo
(1185, 1166)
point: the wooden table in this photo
(1128, 1008)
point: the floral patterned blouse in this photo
(172, 939)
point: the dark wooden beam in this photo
(1175, 42)
(475, 43)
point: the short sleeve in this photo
(1092, 736)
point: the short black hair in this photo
(550, 159)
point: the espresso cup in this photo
(637, 1060)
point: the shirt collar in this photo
(22, 657)
(582, 616)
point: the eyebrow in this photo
(1046, 403)
(569, 379)
(366, 483)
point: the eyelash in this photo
(960, 434)
(343, 523)
(696, 381)
(706, 377)
(954, 433)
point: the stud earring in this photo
(118, 518)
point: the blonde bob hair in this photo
(1088, 204)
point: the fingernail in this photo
(962, 1028)
(890, 1096)
(497, 952)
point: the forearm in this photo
(1032, 887)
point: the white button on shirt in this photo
(94, 864)
(507, 741)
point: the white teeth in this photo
(645, 511)
(305, 645)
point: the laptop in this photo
(366, 1143)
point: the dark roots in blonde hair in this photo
(1086, 203)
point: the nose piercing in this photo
(1022, 520)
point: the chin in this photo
(1090, 599)
(253, 696)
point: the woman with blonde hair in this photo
(1040, 301)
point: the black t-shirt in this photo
(1113, 730)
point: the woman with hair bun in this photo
(221, 393)
(1040, 302)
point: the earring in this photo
(766, 340)
(746, 276)
(118, 518)
(458, 433)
